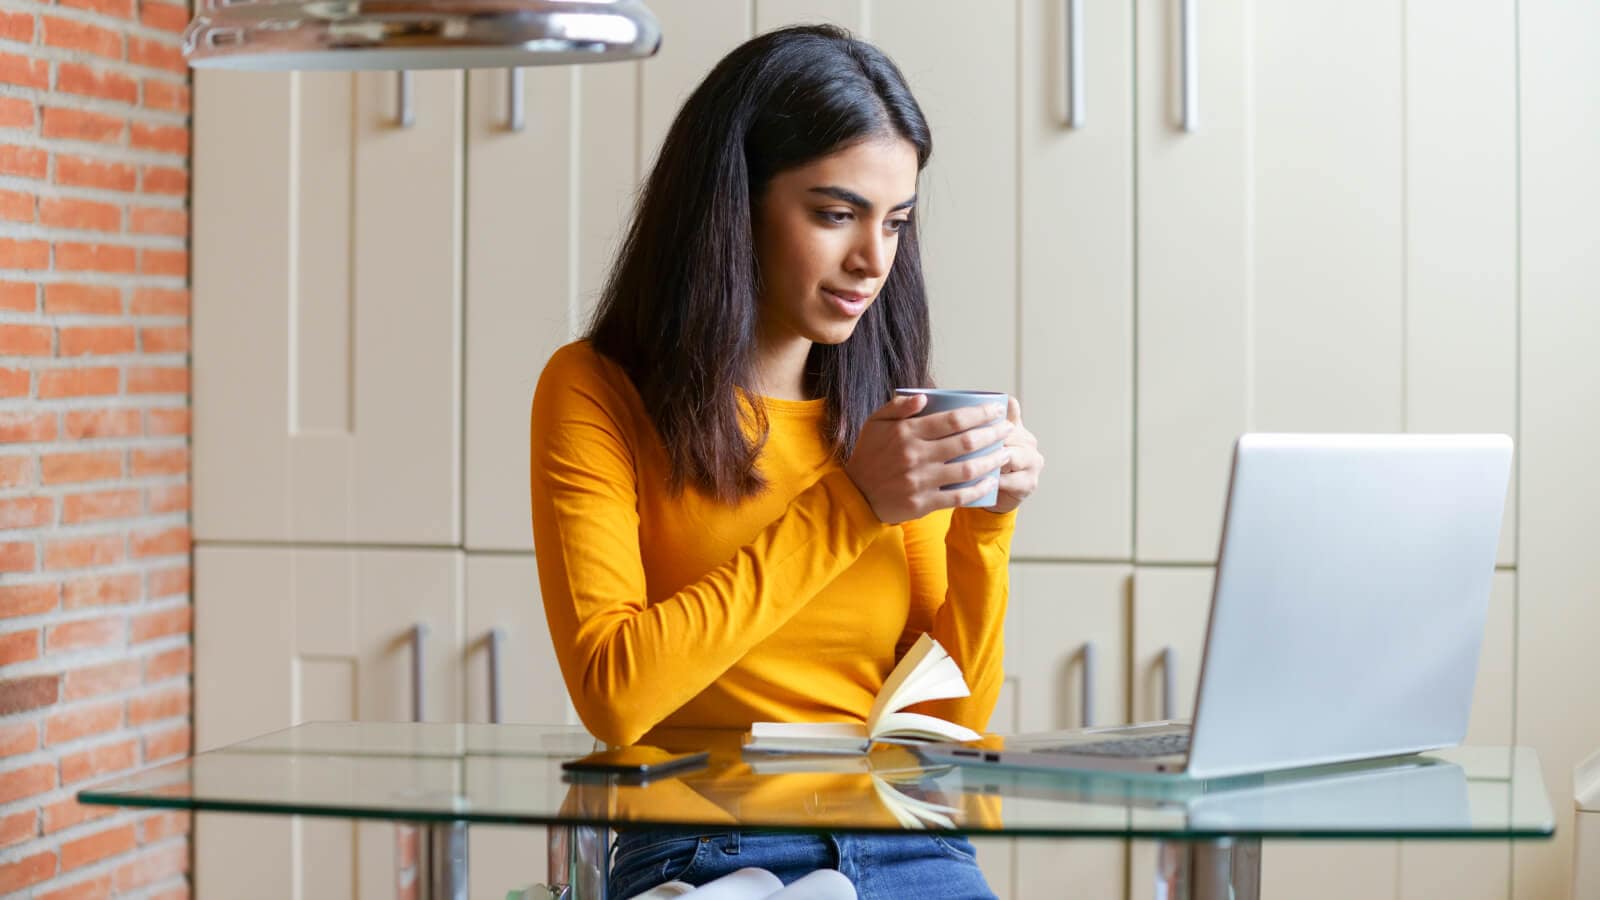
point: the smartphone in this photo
(637, 761)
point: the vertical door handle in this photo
(1169, 680)
(1086, 702)
(496, 637)
(419, 633)
(405, 101)
(1189, 65)
(1072, 55)
(516, 119)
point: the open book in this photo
(926, 672)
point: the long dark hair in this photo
(679, 310)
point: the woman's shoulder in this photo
(577, 373)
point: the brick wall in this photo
(94, 440)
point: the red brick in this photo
(171, 17)
(99, 506)
(24, 254)
(101, 680)
(24, 162)
(28, 600)
(167, 421)
(97, 887)
(170, 703)
(101, 590)
(165, 95)
(158, 380)
(15, 382)
(26, 512)
(107, 341)
(25, 872)
(74, 35)
(85, 850)
(82, 215)
(69, 726)
(25, 340)
(70, 124)
(24, 70)
(80, 424)
(96, 761)
(96, 465)
(162, 825)
(161, 623)
(160, 302)
(85, 634)
(17, 556)
(82, 171)
(27, 782)
(81, 553)
(168, 498)
(164, 744)
(75, 257)
(17, 647)
(69, 812)
(19, 738)
(169, 582)
(15, 472)
(15, 112)
(33, 692)
(16, 206)
(27, 427)
(164, 340)
(152, 866)
(164, 262)
(16, 26)
(166, 542)
(74, 78)
(19, 827)
(159, 462)
(159, 138)
(167, 664)
(156, 54)
(97, 382)
(84, 299)
(157, 220)
(19, 296)
(121, 9)
(164, 180)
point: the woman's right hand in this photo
(900, 462)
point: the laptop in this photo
(1347, 613)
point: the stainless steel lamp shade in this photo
(416, 34)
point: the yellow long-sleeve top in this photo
(678, 610)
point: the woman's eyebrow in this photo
(854, 199)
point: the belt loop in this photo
(732, 846)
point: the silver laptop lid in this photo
(1350, 598)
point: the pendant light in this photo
(416, 34)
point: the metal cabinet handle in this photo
(419, 633)
(1189, 66)
(1072, 52)
(405, 104)
(496, 637)
(1086, 702)
(1169, 680)
(516, 119)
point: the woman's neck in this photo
(780, 371)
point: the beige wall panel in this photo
(1075, 325)
(607, 167)
(1194, 231)
(1558, 610)
(696, 34)
(1461, 221)
(962, 68)
(849, 14)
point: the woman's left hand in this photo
(1019, 477)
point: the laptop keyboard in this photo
(1129, 748)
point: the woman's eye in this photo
(835, 217)
(894, 225)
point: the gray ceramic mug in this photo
(939, 401)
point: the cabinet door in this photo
(503, 593)
(698, 34)
(327, 289)
(1066, 634)
(1075, 325)
(284, 636)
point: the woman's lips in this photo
(850, 305)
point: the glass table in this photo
(448, 777)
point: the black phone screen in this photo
(638, 759)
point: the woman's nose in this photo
(872, 257)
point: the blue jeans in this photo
(881, 866)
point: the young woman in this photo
(735, 520)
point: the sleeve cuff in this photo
(983, 524)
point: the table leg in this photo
(1220, 869)
(447, 861)
(578, 862)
